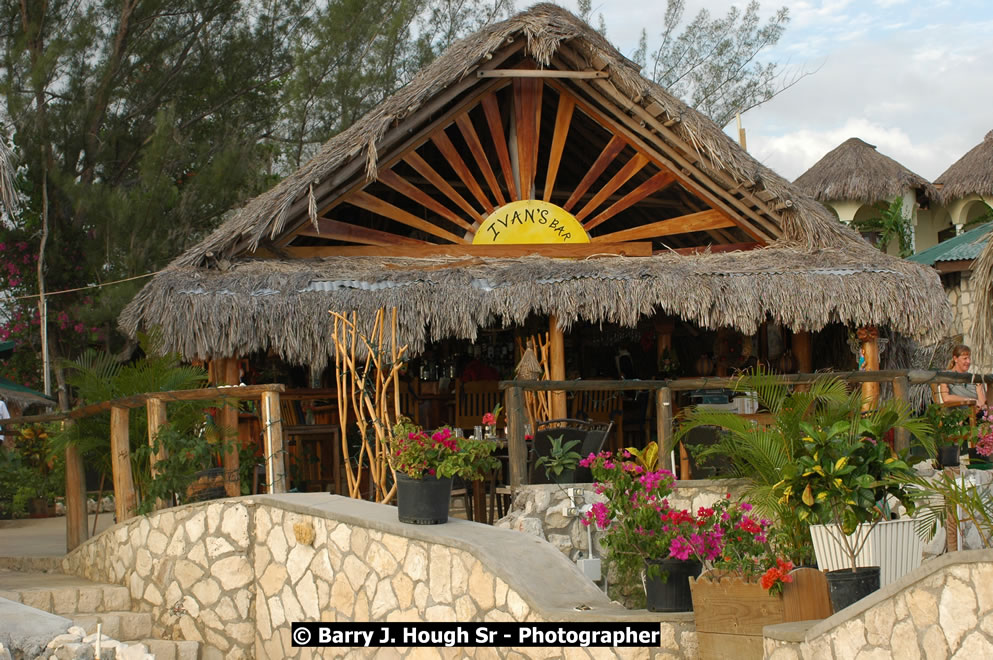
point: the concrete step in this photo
(167, 649)
(122, 626)
(63, 594)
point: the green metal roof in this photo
(964, 246)
(25, 395)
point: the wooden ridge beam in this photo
(343, 231)
(540, 73)
(563, 250)
(378, 206)
(685, 224)
(404, 187)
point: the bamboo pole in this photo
(272, 432)
(869, 337)
(120, 459)
(663, 420)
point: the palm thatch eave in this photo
(284, 306)
(972, 174)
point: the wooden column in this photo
(227, 374)
(556, 359)
(516, 445)
(156, 409)
(120, 460)
(901, 391)
(76, 528)
(803, 351)
(272, 433)
(869, 337)
(663, 419)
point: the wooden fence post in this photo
(120, 459)
(901, 391)
(76, 528)
(272, 432)
(556, 364)
(516, 445)
(229, 427)
(663, 420)
(156, 419)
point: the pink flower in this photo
(489, 419)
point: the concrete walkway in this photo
(41, 537)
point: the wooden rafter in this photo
(451, 154)
(650, 187)
(493, 120)
(562, 250)
(378, 206)
(424, 169)
(563, 119)
(685, 224)
(476, 147)
(630, 168)
(606, 157)
(527, 104)
(343, 231)
(404, 187)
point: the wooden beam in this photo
(451, 154)
(378, 206)
(228, 423)
(556, 366)
(424, 169)
(516, 444)
(272, 434)
(957, 266)
(527, 99)
(661, 180)
(404, 187)
(540, 73)
(156, 414)
(563, 250)
(76, 528)
(476, 147)
(120, 461)
(630, 168)
(613, 148)
(343, 231)
(901, 391)
(495, 122)
(563, 119)
(681, 225)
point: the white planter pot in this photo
(893, 545)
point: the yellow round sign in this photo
(530, 221)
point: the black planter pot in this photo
(847, 586)
(671, 594)
(948, 455)
(423, 501)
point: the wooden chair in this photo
(602, 407)
(474, 399)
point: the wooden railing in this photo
(125, 499)
(901, 380)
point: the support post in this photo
(156, 409)
(802, 352)
(663, 417)
(120, 459)
(229, 427)
(272, 432)
(869, 336)
(516, 444)
(556, 359)
(901, 391)
(76, 531)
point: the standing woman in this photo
(964, 393)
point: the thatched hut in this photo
(637, 207)
(967, 186)
(854, 180)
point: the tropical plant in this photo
(950, 424)
(758, 454)
(890, 224)
(844, 473)
(648, 457)
(945, 491)
(561, 458)
(440, 454)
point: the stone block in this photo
(116, 598)
(134, 625)
(65, 600)
(957, 611)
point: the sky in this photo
(914, 78)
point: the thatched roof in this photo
(972, 174)
(855, 171)
(261, 305)
(544, 28)
(217, 300)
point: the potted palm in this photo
(424, 464)
(845, 476)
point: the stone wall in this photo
(550, 512)
(944, 609)
(234, 574)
